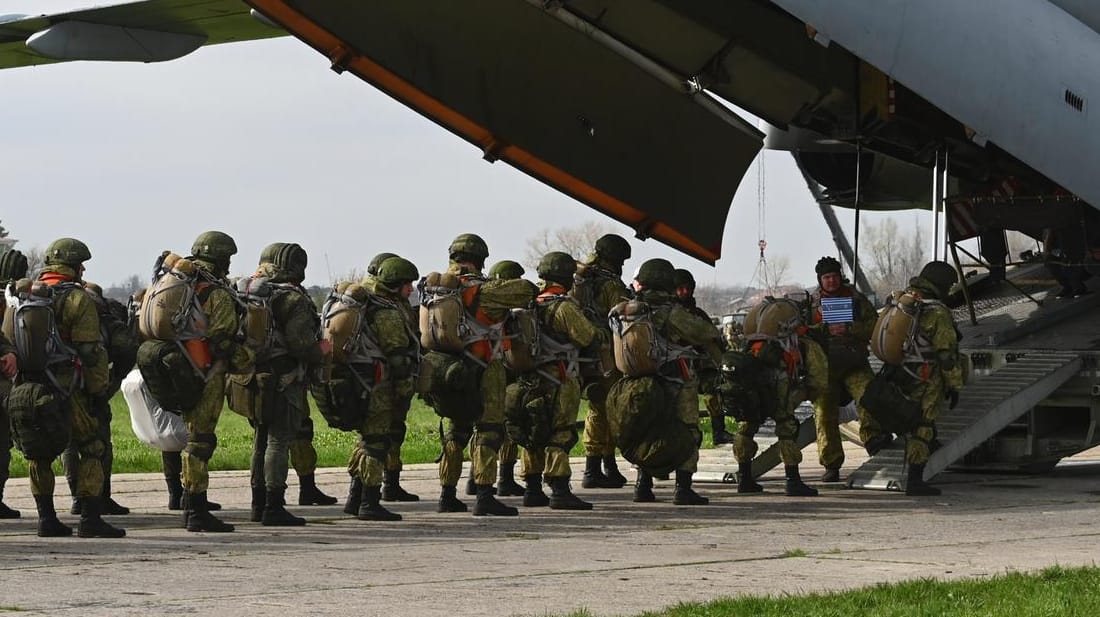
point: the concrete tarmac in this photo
(619, 559)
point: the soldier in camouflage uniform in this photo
(708, 372)
(405, 388)
(563, 323)
(933, 382)
(599, 287)
(845, 344)
(654, 284)
(798, 370)
(487, 302)
(13, 266)
(211, 253)
(78, 325)
(295, 354)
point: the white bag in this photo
(152, 424)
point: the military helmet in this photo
(396, 271)
(825, 265)
(267, 256)
(683, 278)
(292, 258)
(13, 266)
(506, 269)
(68, 252)
(557, 267)
(613, 247)
(940, 274)
(214, 246)
(471, 245)
(372, 267)
(656, 274)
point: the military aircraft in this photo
(622, 103)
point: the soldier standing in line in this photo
(13, 266)
(708, 372)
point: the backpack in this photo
(258, 325)
(41, 420)
(30, 323)
(894, 338)
(445, 322)
(170, 308)
(647, 431)
(344, 324)
(888, 405)
(529, 412)
(522, 331)
(747, 387)
(639, 348)
(170, 375)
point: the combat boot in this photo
(371, 508)
(832, 474)
(643, 488)
(259, 502)
(448, 500)
(48, 525)
(391, 488)
(274, 513)
(718, 431)
(355, 496)
(211, 506)
(109, 505)
(745, 482)
(795, 486)
(5, 511)
(875, 444)
(684, 495)
(91, 525)
(471, 485)
(915, 486)
(310, 495)
(562, 498)
(507, 486)
(611, 472)
(593, 476)
(533, 497)
(487, 505)
(175, 492)
(199, 518)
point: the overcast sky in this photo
(263, 141)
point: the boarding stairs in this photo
(986, 405)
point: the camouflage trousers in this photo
(687, 411)
(277, 430)
(303, 456)
(553, 460)
(830, 448)
(930, 394)
(70, 458)
(598, 440)
(786, 430)
(202, 422)
(488, 438)
(90, 450)
(368, 459)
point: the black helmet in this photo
(467, 246)
(267, 256)
(372, 267)
(826, 265)
(396, 271)
(683, 278)
(506, 270)
(13, 266)
(67, 252)
(656, 274)
(557, 267)
(292, 259)
(613, 248)
(214, 246)
(941, 274)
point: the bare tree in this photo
(36, 260)
(577, 241)
(775, 271)
(893, 256)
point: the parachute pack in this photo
(640, 350)
(531, 345)
(258, 325)
(894, 338)
(647, 431)
(747, 385)
(443, 322)
(30, 323)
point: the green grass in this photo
(1057, 591)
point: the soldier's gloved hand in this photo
(952, 396)
(399, 367)
(8, 365)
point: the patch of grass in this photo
(793, 552)
(13, 609)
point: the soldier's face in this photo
(830, 281)
(683, 291)
(406, 290)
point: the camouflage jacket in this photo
(937, 336)
(78, 325)
(563, 318)
(223, 322)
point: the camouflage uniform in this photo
(708, 372)
(849, 371)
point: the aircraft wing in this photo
(551, 96)
(148, 31)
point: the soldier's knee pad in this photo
(201, 446)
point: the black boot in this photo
(875, 444)
(211, 506)
(355, 496)
(448, 500)
(48, 525)
(684, 495)
(391, 488)
(643, 488)
(745, 482)
(832, 474)
(487, 505)
(310, 495)
(91, 525)
(172, 463)
(199, 518)
(562, 498)
(77, 506)
(275, 514)
(258, 503)
(915, 486)
(5, 511)
(471, 486)
(611, 471)
(593, 476)
(507, 486)
(371, 509)
(795, 486)
(110, 506)
(718, 430)
(533, 497)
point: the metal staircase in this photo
(986, 405)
